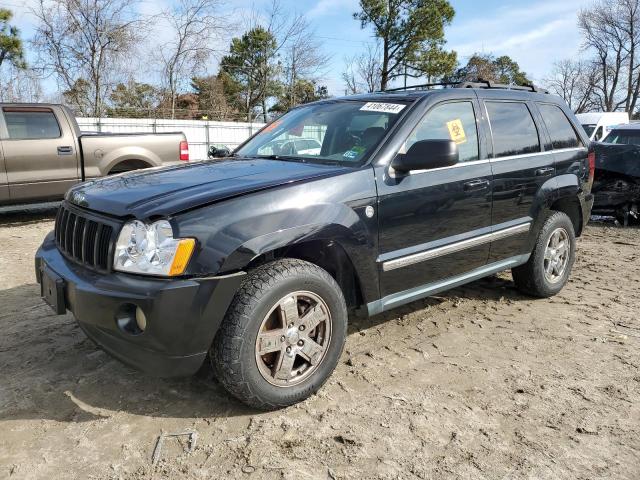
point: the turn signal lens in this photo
(182, 256)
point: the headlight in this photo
(151, 249)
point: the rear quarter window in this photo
(561, 132)
(513, 129)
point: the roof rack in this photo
(479, 84)
(422, 86)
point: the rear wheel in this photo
(549, 266)
(282, 336)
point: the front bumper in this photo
(183, 315)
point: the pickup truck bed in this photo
(43, 153)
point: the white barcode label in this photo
(382, 107)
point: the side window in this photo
(30, 125)
(560, 130)
(599, 134)
(513, 129)
(449, 121)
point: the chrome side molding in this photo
(454, 247)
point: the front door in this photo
(40, 156)
(430, 221)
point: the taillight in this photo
(184, 151)
(592, 165)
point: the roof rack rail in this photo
(422, 86)
(479, 84)
(490, 84)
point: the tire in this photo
(531, 278)
(249, 354)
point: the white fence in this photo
(200, 133)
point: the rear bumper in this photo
(182, 315)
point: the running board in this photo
(407, 296)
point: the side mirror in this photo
(427, 154)
(218, 152)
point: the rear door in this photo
(569, 150)
(521, 165)
(39, 151)
(432, 223)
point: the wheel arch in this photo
(326, 254)
(128, 164)
(570, 206)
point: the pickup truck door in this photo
(424, 211)
(40, 153)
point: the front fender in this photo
(235, 232)
(349, 238)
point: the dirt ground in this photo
(477, 383)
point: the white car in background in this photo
(599, 124)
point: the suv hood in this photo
(170, 190)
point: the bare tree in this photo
(296, 55)
(19, 85)
(83, 42)
(303, 59)
(611, 30)
(575, 81)
(363, 72)
(194, 25)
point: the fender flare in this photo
(331, 233)
(566, 186)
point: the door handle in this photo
(543, 172)
(66, 150)
(475, 185)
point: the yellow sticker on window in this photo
(456, 131)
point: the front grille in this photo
(82, 238)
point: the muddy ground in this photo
(477, 383)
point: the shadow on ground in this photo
(50, 370)
(27, 216)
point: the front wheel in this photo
(282, 336)
(549, 266)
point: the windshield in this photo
(343, 132)
(624, 137)
(589, 129)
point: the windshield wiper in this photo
(284, 158)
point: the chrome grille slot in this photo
(83, 238)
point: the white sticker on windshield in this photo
(382, 107)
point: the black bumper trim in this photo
(183, 315)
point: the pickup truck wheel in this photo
(549, 266)
(282, 336)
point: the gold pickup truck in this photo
(43, 153)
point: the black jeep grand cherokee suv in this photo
(256, 259)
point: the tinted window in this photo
(589, 129)
(560, 130)
(513, 129)
(624, 137)
(449, 121)
(31, 125)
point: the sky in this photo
(535, 33)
